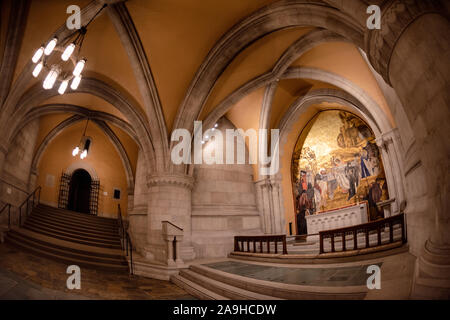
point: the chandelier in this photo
(84, 145)
(68, 66)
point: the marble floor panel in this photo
(328, 277)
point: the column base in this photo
(187, 253)
(432, 273)
(148, 268)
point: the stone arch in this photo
(303, 73)
(81, 111)
(104, 127)
(276, 16)
(82, 165)
(389, 156)
(98, 88)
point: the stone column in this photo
(169, 199)
(270, 205)
(32, 182)
(137, 206)
(130, 199)
(411, 52)
(389, 151)
(3, 153)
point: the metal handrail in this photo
(125, 238)
(7, 205)
(181, 229)
(27, 201)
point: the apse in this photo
(336, 164)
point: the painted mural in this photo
(335, 164)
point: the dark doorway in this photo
(80, 191)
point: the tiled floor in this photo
(26, 276)
(329, 277)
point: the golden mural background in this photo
(336, 163)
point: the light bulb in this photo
(50, 46)
(37, 54)
(75, 83)
(79, 67)
(216, 125)
(68, 52)
(50, 79)
(83, 154)
(75, 151)
(37, 69)
(63, 86)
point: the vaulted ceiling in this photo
(176, 37)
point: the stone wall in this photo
(137, 216)
(223, 203)
(16, 169)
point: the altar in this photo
(335, 219)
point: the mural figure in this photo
(337, 164)
(304, 207)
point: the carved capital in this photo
(178, 180)
(396, 16)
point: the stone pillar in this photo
(270, 205)
(137, 206)
(388, 146)
(3, 153)
(32, 183)
(411, 52)
(130, 199)
(169, 199)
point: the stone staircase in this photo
(72, 238)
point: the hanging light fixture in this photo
(70, 48)
(84, 144)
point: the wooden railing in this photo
(125, 238)
(365, 228)
(239, 243)
(35, 199)
(7, 206)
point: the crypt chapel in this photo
(225, 149)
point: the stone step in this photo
(222, 288)
(71, 226)
(69, 236)
(73, 239)
(195, 289)
(89, 256)
(77, 215)
(277, 289)
(70, 258)
(32, 220)
(64, 218)
(66, 245)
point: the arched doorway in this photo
(80, 191)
